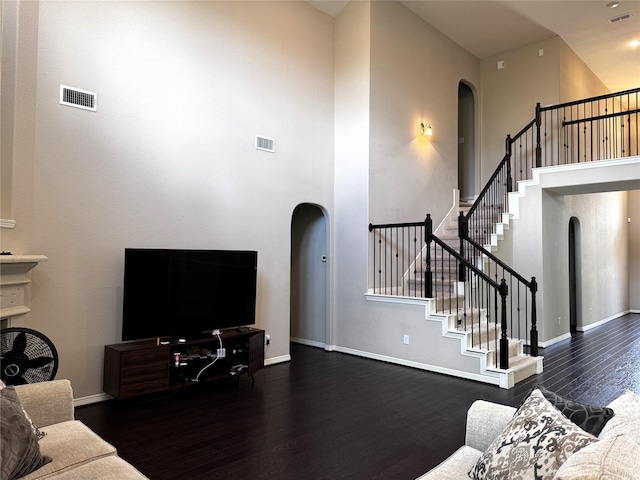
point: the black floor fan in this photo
(28, 356)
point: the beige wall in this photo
(547, 72)
(351, 183)
(603, 259)
(168, 160)
(509, 95)
(577, 81)
(412, 175)
(408, 176)
(603, 238)
(18, 107)
(634, 249)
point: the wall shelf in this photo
(15, 294)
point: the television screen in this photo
(183, 293)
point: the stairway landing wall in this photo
(599, 201)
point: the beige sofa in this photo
(613, 454)
(76, 452)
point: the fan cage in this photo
(28, 356)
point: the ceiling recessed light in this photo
(613, 4)
(634, 43)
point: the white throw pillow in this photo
(626, 419)
(534, 444)
(616, 457)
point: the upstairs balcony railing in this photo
(598, 128)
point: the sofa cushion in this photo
(536, 442)
(626, 419)
(589, 418)
(19, 445)
(47, 402)
(104, 468)
(456, 466)
(616, 457)
(70, 445)
(485, 421)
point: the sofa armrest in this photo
(47, 403)
(485, 421)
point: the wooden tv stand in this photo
(150, 366)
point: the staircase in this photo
(477, 334)
(466, 309)
(455, 272)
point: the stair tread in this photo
(522, 362)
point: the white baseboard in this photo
(97, 398)
(552, 341)
(586, 328)
(603, 321)
(419, 365)
(308, 343)
(398, 361)
(276, 360)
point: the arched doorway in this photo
(309, 276)
(466, 143)
(574, 275)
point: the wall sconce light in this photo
(426, 130)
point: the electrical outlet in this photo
(267, 339)
(406, 339)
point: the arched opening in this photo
(575, 315)
(466, 143)
(309, 276)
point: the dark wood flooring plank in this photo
(327, 415)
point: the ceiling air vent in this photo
(619, 18)
(266, 144)
(74, 97)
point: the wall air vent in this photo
(619, 18)
(74, 97)
(265, 144)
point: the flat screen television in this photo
(183, 293)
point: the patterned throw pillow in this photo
(534, 444)
(590, 419)
(36, 431)
(19, 446)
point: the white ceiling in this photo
(488, 28)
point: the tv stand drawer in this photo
(135, 372)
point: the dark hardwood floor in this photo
(335, 416)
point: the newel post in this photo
(428, 233)
(463, 234)
(504, 340)
(538, 144)
(534, 322)
(508, 153)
